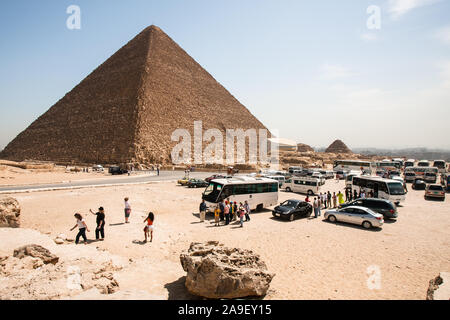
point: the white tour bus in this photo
(388, 165)
(400, 161)
(306, 185)
(347, 165)
(441, 165)
(410, 163)
(420, 171)
(259, 192)
(382, 188)
(349, 177)
(423, 163)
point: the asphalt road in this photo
(110, 181)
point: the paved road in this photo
(113, 180)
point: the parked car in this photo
(419, 184)
(197, 183)
(356, 215)
(117, 170)
(98, 168)
(435, 191)
(409, 176)
(183, 181)
(292, 209)
(381, 206)
(430, 177)
(380, 173)
(394, 173)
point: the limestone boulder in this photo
(439, 287)
(215, 272)
(36, 251)
(9, 213)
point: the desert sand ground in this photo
(312, 258)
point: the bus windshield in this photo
(212, 192)
(396, 188)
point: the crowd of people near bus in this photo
(100, 224)
(227, 211)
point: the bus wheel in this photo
(367, 225)
(310, 193)
(259, 207)
(288, 189)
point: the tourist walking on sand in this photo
(316, 207)
(127, 209)
(227, 213)
(217, 216)
(148, 229)
(247, 211)
(100, 220)
(334, 200)
(241, 214)
(340, 197)
(82, 228)
(202, 209)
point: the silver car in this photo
(357, 215)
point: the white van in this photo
(306, 185)
(279, 178)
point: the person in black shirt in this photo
(100, 230)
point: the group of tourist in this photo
(227, 211)
(100, 221)
(324, 201)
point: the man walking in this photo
(316, 207)
(100, 230)
(203, 208)
(247, 211)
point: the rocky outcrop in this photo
(338, 147)
(439, 287)
(214, 271)
(9, 212)
(30, 279)
(36, 251)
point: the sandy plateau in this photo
(312, 258)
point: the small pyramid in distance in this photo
(127, 108)
(338, 147)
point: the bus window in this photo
(396, 188)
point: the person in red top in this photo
(307, 199)
(148, 230)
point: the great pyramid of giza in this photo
(126, 109)
(338, 147)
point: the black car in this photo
(419, 184)
(117, 170)
(291, 209)
(382, 206)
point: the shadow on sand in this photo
(177, 290)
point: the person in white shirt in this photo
(82, 228)
(127, 210)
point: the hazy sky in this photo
(311, 69)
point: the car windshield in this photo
(290, 204)
(436, 188)
(396, 188)
(212, 192)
